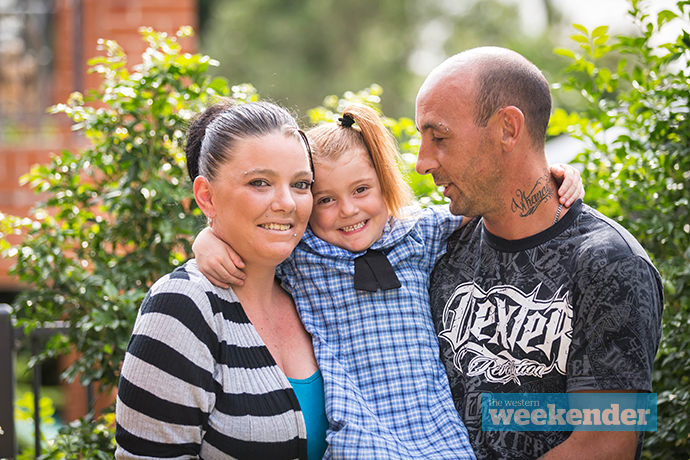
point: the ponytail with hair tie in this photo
(381, 147)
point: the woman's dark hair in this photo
(214, 132)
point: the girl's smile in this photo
(353, 228)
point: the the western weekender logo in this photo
(507, 333)
(569, 411)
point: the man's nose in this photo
(426, 161)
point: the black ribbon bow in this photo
(374, 271)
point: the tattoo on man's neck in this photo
(527, 203)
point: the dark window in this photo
(26, 54)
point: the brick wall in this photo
(110, 19)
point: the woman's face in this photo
(349, 209)
(261, 198)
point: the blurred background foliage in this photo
(635, 132)
(304, 50)
(624, 98)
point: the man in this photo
(531, 297)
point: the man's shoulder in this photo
(601, 233)
(460, 238)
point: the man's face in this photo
(462, 157)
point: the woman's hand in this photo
(217, 261)
(571, 188)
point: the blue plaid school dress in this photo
(387, 393)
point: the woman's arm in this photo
(166, 390)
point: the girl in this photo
(359, 278)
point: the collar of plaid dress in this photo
(374, 271)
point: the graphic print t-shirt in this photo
(576, 307)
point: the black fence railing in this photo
(8, 436)
(9, 337)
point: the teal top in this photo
(309, 393)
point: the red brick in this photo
(109, 19)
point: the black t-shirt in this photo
(575, 307)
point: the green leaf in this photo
(601, 40)
(219, 85)
(581, 28)
(664, 16)
(600, 31)
(601, 51)
(580, 38)
(604, 75)
(564, 52)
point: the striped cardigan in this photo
(198, 381)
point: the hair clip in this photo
(346, 121)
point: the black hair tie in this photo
(346, 121)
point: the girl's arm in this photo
(571, 188)
(217, 261)
(167, 387)
(222, 266)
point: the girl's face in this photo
(261, 199)
(349, 210)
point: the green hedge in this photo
(120, 213)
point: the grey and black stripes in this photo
(198, 381)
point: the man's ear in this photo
(512, 125)
(203, 194)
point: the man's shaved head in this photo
(498, 78)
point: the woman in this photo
(208, 371)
